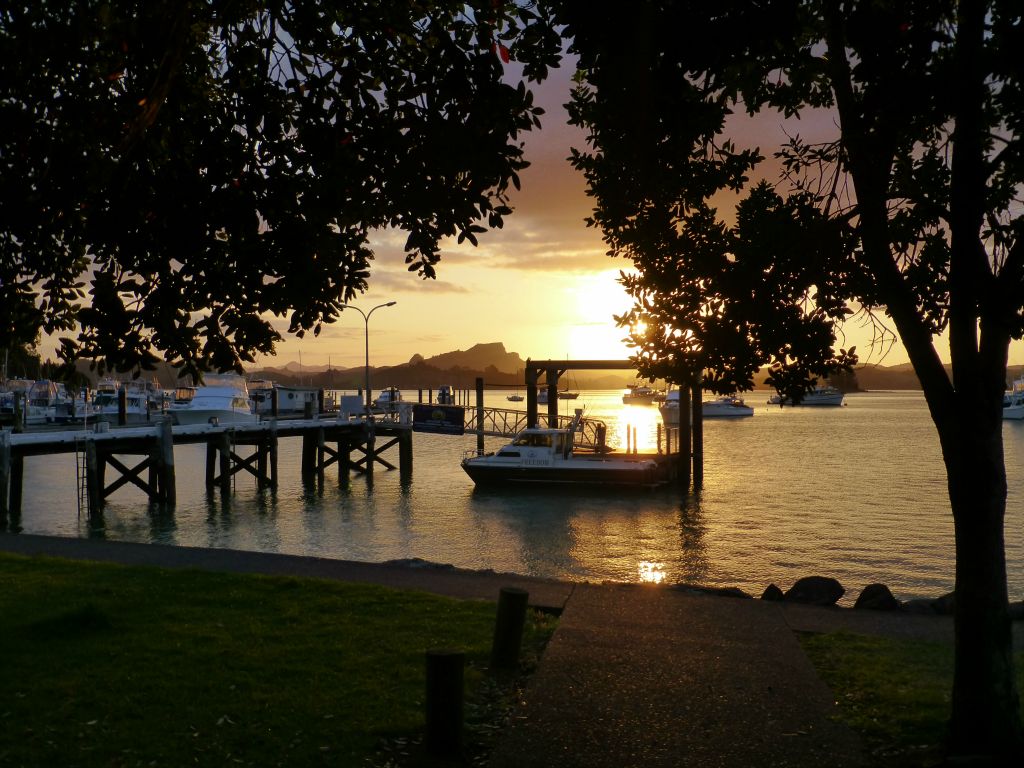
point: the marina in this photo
(788, 493)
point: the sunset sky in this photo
(542, 285)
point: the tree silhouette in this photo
(175, 174)
(912, 210)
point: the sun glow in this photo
(595, 335)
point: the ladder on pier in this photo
(81, 477)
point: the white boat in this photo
(144, 402)
(291, 401)
(669, 408)
(222, 400)
(1013, 401)
(725, 407)
(48, 403)
(820, 395)
(539, 456)
(388, 399)
(639, 395)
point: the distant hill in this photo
(498, 367)
(479, 357)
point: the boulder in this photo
(877, 597)
(815, 590)
(772, 592)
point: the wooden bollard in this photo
(5, 473)
(508, 628)
(444, 702)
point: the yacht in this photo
(388, 399)
(725, 407)
(1013, 401)
(820, 395)
(539, 456)
(291, 401)
(221, 400)
(639, 395)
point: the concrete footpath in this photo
(634, 675)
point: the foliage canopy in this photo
(862, 219)
(172, 173)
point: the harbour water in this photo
(856, 492)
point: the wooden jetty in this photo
(353, 445)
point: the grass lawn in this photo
(895, 693)
(107, 665)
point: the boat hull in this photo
(612, 473)
(205, 416)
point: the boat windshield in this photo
(533, 440)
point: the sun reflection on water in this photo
(639, 422)
(650, 573)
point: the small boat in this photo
(48, 403)
(639, 395)
(1013, 401)
(515, 398)
(820, 395)
(539, 456)
(669, 408)
(222, 400)
(725, 407)
(291, 401)
(388, 399)
(446, 395)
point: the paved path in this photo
(634, 676)
(657, 678)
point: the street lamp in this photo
(366, 322)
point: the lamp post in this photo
(366, 323)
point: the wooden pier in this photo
(352, 445)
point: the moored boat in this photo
(725, 407)
(388, 400)
(639, 394)
(1013, 401)
(540, 456)
(820, 395)
(222, 400)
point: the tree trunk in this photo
(985, 708)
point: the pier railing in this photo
(505, 422)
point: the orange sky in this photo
(542, 285)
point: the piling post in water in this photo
(405, 455)
(508, 628)
(122, 406)
(168, 490)
(262, 451)
(224, 451)
(273, 453)
(321, 402)
(698, 435)
(93, 484)
(686, 408)
(211, 462)
(659, 437)
(479, 415)
(275, 402)
(308, 454)
(5, 474)
(320, 445)
(444, 702)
